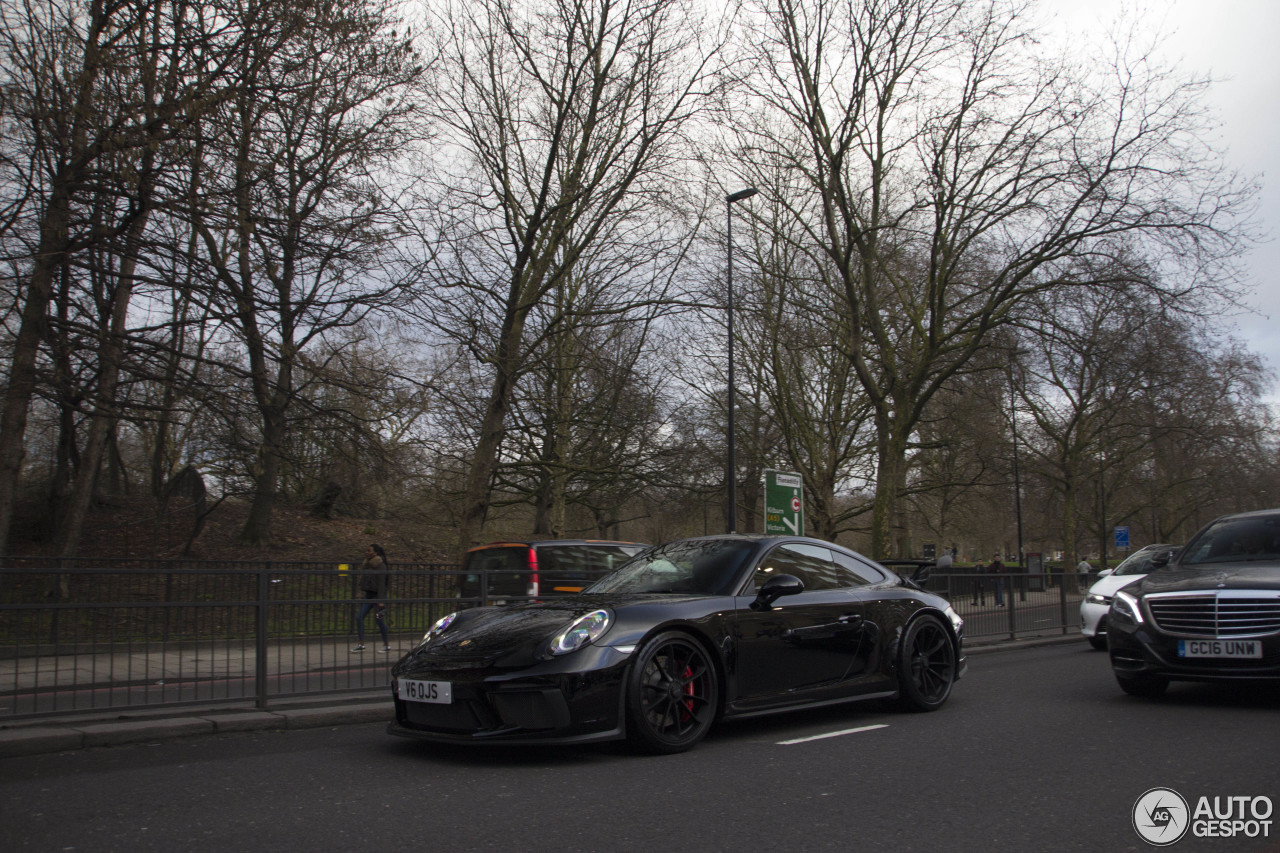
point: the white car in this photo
(1094, 606)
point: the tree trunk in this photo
(257, 527)
(1069, 543)
(22, 364)
(549, 519)
(475, 503)
(105, 408)
(891, 470)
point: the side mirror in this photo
(776, 587)
(1105, 572)
(921, 574)
(1159, 561)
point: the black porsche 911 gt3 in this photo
(678, 637)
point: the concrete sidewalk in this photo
(372, 705)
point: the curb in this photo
(46, 737)
(979, 647)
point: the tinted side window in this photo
(497, 559)
(561, 559)
(606, 558)
(855, 572)
(809, 563)
(506, 570)
(576, 560)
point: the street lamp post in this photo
(731, 498)
(1017, 481)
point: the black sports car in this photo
(1210, 612)
(676, 638)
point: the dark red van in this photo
(522, 571)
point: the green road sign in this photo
(783, 503)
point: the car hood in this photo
(1107, 586)
(1214, 576)
(517, 635)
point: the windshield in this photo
(699, 567)
(1233, 540)
(1140, 563)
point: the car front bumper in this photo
(1093, 619)
(1147, 652)
(549, 703)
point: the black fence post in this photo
(354, 609)
(1013, 619)
(260, 638)
(168, 601)
(1062, 599)
(54, 592)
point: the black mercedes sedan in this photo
(678, 637)
(1207, 612)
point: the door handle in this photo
(850, 619)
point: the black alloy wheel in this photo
(672, 694)
(926, 665)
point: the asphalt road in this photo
(1037, 750)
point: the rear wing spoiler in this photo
(921, 569)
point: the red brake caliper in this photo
(688, 691)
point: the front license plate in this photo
(435, 692)
(1219, 649)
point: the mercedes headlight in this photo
(1126, 607)
(580, 632)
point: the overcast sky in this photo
(1235, 42)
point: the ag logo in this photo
(1161, 817)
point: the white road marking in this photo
(858, 730)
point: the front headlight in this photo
(1094, 598)
(442, 625)
(583, 630)
(1126, 607)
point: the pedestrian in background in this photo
(1082, 574)
(979, 585)
(942, 565)
(997, 569)
(373, 585)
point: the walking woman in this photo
(373, 585)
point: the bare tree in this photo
(1206, 445)
(294, 225)
(949, 172)
(563, 122)
(118, 262)
(790, 342)
(959, 462)
(1075, 380)
(87, 82)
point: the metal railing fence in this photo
(1012, 605)
(89, 635)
